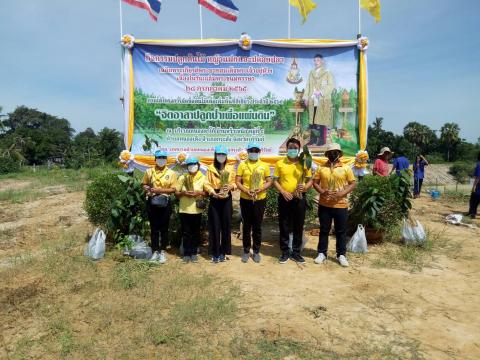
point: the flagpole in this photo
(121, 49)
(289, 21)
(359, 18)
(201, 21)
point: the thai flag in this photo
(223, 8)
(152, 6)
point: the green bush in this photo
(461, 171)
(8, 165)
(380, 202)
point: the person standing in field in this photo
(475, 195)
(219, 183)
(418, 174)
(400, 163)
(333, 181)
(190, 191)
(292, 181)
(253, 179)
(159, 183)
(380, 166)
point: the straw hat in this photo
(384, 150)
(332, 147)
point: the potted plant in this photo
(380, 203)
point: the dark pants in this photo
(252, 217)
(159, 218)
(190, 233)
(291, 216)
(417, 186)
(474, 201)
(220, 226)
(340, 217)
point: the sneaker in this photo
(320, 259)
(215, 259)
(155, 257)
(162, 258)
(186, 259)
(194, 258)
(283, 258)
(222, 258)
(245, 257)
(256, 257)
(342, 260)
(298, 258)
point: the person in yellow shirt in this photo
(159, 183)
(292, 181)
(334, 181)
(190, 191)
(219, 184)
(253, 179)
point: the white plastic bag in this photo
(358, 242)
(413, 232)
(95, 248)
(140, 249)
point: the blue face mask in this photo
(292, 153)
(253, 156)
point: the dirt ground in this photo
(418, 304)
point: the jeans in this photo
(159, 218)
(190, 233)
(252, 217)
(340, 217)
(291, 216)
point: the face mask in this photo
(221, 158)
(253, 156)
(292, 153)
(333, 157)
(192, 169)
(161, 162)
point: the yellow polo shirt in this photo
(187, 204)
(212, 181)
(159, 178)
(246, 169)
(335, 179)
(289, 174)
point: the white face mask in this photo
(161, 162)
(221, 158)
(192, 169)
(253, 156)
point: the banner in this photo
(190, 96)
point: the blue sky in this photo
(63, 57)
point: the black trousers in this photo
(159, 218)
(340, 217)
(417, 186)
(190, 233)
(474, 201)
(252, 217)
(291, 216)
(220, 226)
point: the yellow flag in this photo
(304, 6)
(373, 7)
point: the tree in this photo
(450, 137)
(420, 136)
(110, 144)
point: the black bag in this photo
(159, 200)
(201, 204)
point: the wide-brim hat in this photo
(333, 147)
(384, 150)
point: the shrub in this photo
(461, 171)
(8, 165)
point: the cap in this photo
(384, 150)
(161, 153)
(191, 160)
(333, 147)
(253, 145)
(220, 149)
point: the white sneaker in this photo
(320, 259)
(343, 261)
(162, 258)
(155, 257)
